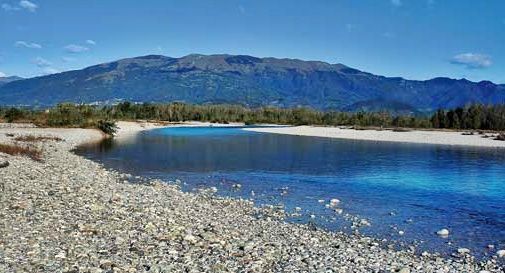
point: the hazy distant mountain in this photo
(4, 80)
(248, 81)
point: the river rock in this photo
(443, 232)
(404, 270)
(4, 163)
(501, 253)
(334, 202)
(463, 251)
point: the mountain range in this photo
(246, 80)
(5, 80)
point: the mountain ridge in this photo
(249, 81)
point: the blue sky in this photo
(415, 39)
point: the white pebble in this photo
(334, 202)
(463, 250)
(443, 232)
(501, 253)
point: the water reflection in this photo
(427, 187)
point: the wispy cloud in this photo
(73, 48)
(41, 62)
(27, 44)
(396, 3)
(90, 42)
(9, 7)
(24, 4)
(30, 6)
(2, 74)
(472, 60)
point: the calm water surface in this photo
(414, 188)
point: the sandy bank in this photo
(133, 127)
(415, 136)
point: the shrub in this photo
(13, 114)
(109, 127)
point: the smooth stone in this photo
(334, 202)
(404, 270)
(463, 250)
(443, 232)
(4, 163)
(501, 253)
(190, 239)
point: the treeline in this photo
(476, 117)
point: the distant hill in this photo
(249, 81)
(5, 80)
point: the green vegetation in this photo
(475, 117)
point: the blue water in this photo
(414, 188)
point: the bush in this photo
(13, 114)
(109, 127)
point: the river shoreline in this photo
(69, 214)
(451, 138)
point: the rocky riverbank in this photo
(69, 214)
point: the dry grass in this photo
(30, 138)
(21, 151)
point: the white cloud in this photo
(50, 70)
(90, 42)
(2, 74)
(24, 4)
(27, 44)
(72, 48)
(41, 62)
(396, 3)
(472, 60)
(8, 7)
(30, 6)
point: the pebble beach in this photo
(68, 214)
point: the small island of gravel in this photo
(65, 213)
